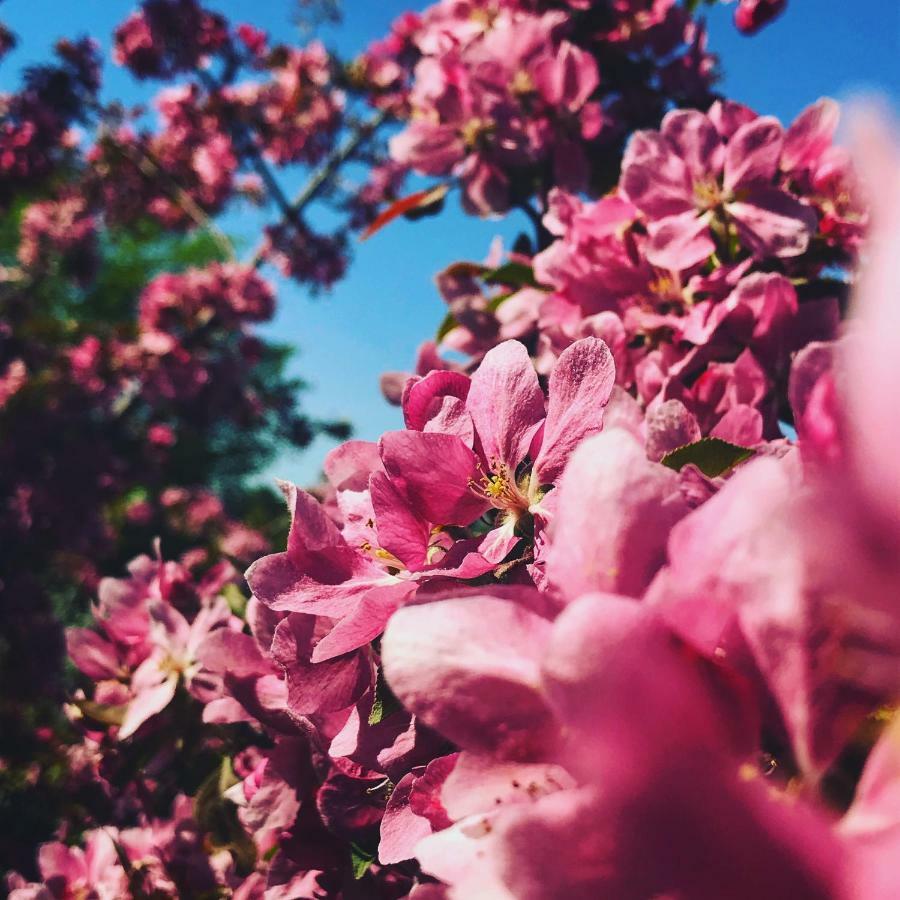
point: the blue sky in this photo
(376, 317)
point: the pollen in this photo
(522, 83)
(707, 193)
(498, 486)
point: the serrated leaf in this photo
(711, 455)
(360, 860)
(514, 274)
(418, 203)
(385, 703)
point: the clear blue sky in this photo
(387, 305)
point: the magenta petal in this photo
(234, 652)
(506, 403)
(695, 140)
(741, 425)
(312, 530)
(680, 242)
(399, 530)
(670, 425)
(93, 655)
(752, 154)
(614, 514)
(469, 668)
(433, 471)
(579, 389)
(401, 828)
(567, 77)
(653, 178)
(772, 223)
(871, 827)
(423, 398)
(281, 585)
(322, 687)
(365, 623)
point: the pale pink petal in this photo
(873, 371)
(469, 668)
(147, 704)
(773, 223)
(401, 828)
(680, 242)
(349, 466)
(481, 782)
(506, 403)
(752, 154)
(614, 514)
(579, 389)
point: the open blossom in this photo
(499, 93)
(72, 872)
(703, 174)
(461, 456)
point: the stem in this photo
(542, 237)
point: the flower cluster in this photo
(614, 613)
(712, 262)
(507, 99)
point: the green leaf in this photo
(711, 455)
(105, 713)
(385, 703)
(514, 274)
(237, 602)
(360, 860)
(445, 327)
(218, 817)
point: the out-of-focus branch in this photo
(151, 168)
(325, 173)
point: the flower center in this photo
(522, 83)
(498, 486)
(474, 131)
(707, 193)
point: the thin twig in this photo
(323, 175)
(152, 169)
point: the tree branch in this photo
(323, 175)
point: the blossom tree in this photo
(613, 614)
